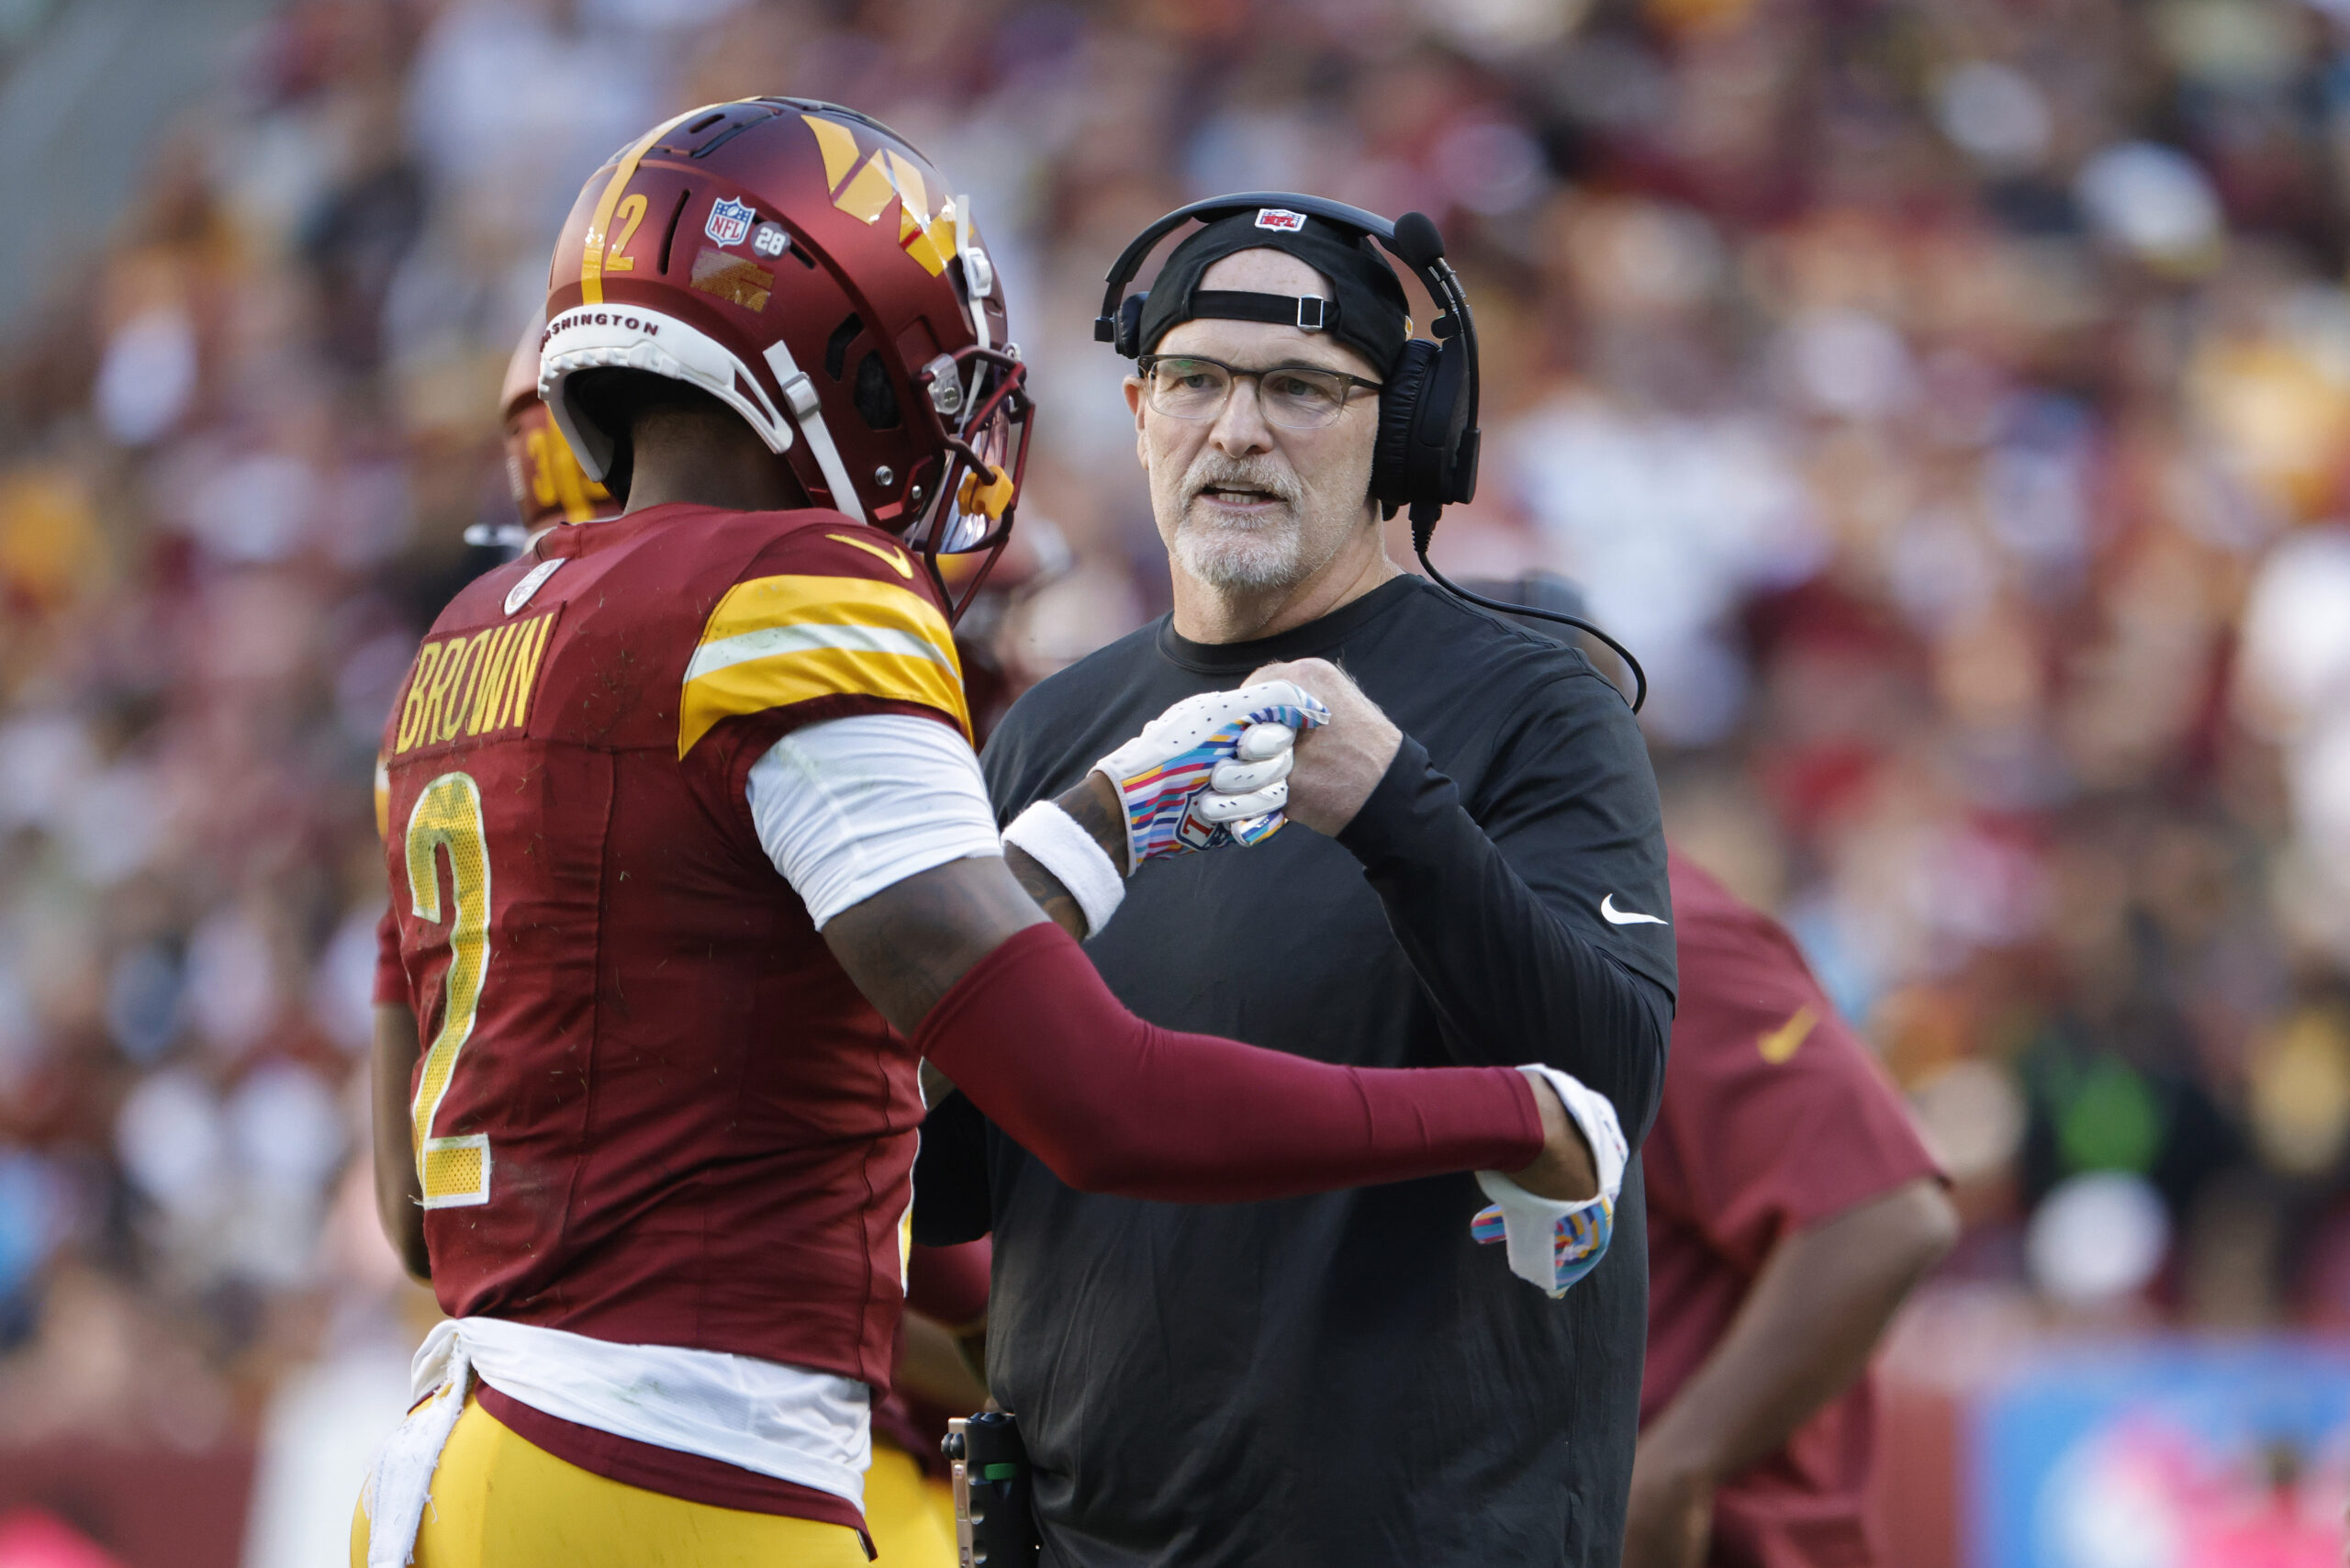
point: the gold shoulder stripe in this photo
(773, 642)
(763, 602)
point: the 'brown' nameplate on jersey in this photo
(472, 685)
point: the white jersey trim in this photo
(768, 641)
(850, 806)
(809, 1427)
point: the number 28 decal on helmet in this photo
(861, 331)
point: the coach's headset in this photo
(1425, 456)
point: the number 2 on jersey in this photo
(454, 1171)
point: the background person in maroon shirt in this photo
(1791, 1207)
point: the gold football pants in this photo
(498, 1502)
(910, 1515)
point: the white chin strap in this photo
(609, 337)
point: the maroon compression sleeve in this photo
(1113, 1104)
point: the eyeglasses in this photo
(1295, 396)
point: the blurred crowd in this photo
(1949, 400)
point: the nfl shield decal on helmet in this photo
(730, 220)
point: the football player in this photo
(909, 1513)
(693, 864)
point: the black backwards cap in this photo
(1370, 313)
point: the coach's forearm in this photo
(1509, 980)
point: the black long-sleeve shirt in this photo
(1345, 1379)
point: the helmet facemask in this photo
(978, 405)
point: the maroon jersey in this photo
(1775, 1116)
(651, 1107)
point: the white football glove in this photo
(1187, 782)
(1254, 782)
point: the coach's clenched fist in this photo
(1340, 763)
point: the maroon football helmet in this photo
(803, 265)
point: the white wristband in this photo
(1072, 854)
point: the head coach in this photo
(1343, 1379)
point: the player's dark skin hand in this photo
(1804, 1333)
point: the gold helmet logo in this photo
(865, 193)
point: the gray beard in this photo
(1240, 560)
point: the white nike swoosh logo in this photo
(1618, 917)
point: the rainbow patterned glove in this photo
(1211, 770)
(1552, 1244)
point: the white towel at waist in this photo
(796, 1425)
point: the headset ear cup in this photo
(1130, 325)
(1440, 415)
(1399, 415)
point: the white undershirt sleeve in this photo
(848, 807)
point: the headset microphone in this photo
(1425, 453)
(1418, 242)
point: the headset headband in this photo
(1130, 260)
(1412, 240)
